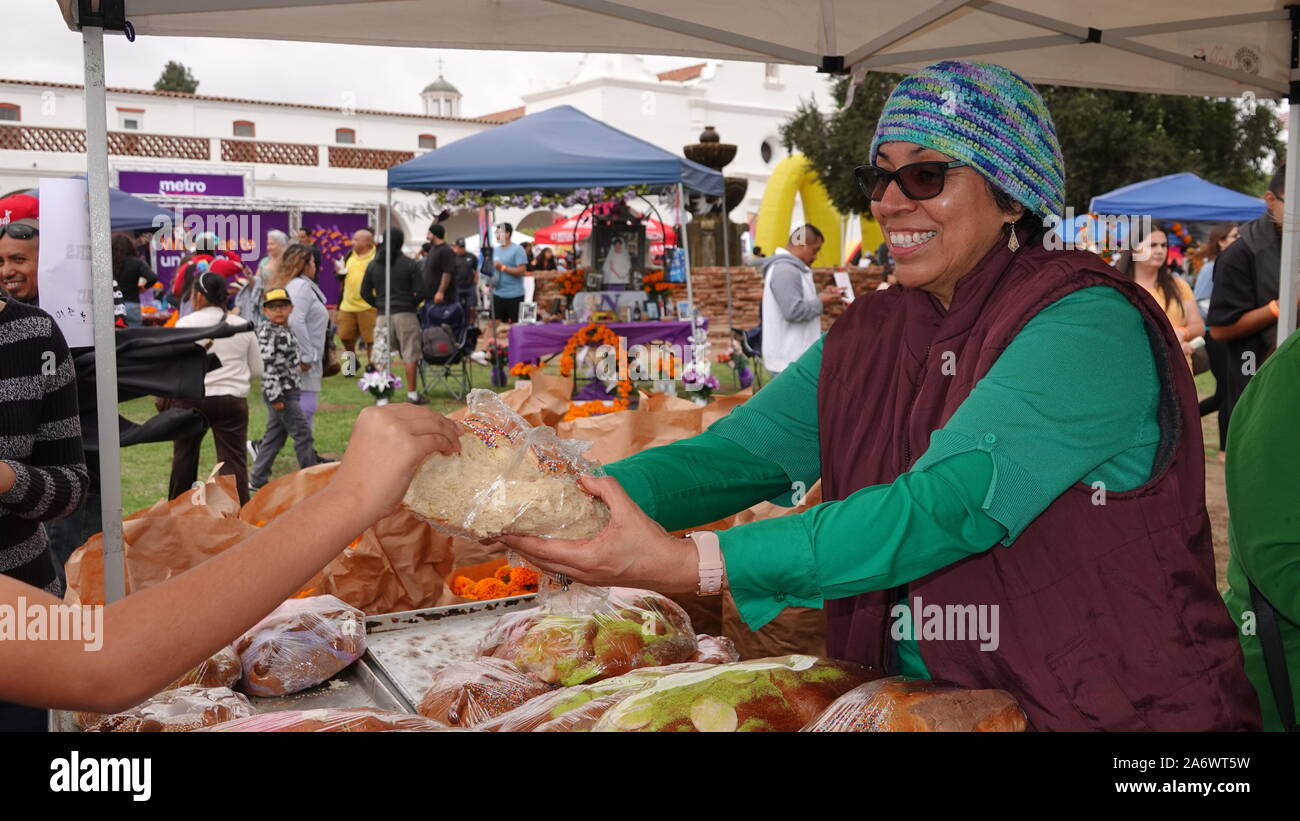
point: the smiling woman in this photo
(978, 433)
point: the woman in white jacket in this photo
(225, 401)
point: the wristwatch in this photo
(712, 568)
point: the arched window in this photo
(345, 135)
(428, 141)
(245, 128)
(10, 112)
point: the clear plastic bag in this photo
(299, 645)
(576, 709)
(466, 693)
(715, 650)
(222, 669)
(509, 478)
(900, 705)
(348, 720)
(587, 634)
(178, 711)
(780, 694)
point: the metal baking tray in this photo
(357, 685)
(406, 649)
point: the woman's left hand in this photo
(632, 550)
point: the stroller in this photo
(447, 338)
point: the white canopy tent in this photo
(1164, 46)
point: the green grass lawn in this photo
(146, 468)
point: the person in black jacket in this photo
(129, 271)
(1243, 307)
(408, 292)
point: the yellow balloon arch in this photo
(794, 175)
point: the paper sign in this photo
(842, 281)
(530, 287)
(63, 270)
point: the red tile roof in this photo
(681, 75)
(507, 116)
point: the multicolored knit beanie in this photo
(984, 115)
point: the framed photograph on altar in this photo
(528, 313)
(618, 255)
(684, 311)
(652, 311)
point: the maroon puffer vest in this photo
(1109, 616)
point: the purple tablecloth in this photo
(529, 342)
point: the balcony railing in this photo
(125, 143)
(135, 144)
(347, 156)
(261, 151)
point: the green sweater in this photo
(1263, 476)
(1072, 398)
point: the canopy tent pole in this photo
(726, 258)
(388, 286)
(685, 244)
(110, 457)
(1286, 293)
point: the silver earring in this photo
(1013, 242)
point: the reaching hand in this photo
(632, 550)
(387, 445)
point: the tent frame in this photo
(93, 17)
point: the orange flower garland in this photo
(524, 370)
(654, 283)
(571, 282)
(592, 334)
(507, 581)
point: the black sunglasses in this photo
(18, 230)
(917, 181)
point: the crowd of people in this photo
(962, 423)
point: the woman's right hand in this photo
(387, 445)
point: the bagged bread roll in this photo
(780, 694)
(466, 693)
(177, 711)
(299, 645)
(502, 638)
(349, 720)
(630, 629)
(577, 709)
(899, 705)
(715, 650)
(219, 670)
(508, 478)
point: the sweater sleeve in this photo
(54, 482)
(787, 288)
(368, 284)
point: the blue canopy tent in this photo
(128, 213)
(554, 151)
(1179, 197)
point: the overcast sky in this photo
(35, 44)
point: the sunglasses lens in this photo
(922, 181)
(872, 181)
(18, 231)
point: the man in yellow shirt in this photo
(356, 316)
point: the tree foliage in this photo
(176, 77)
(1108, 138)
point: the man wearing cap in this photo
(281, 388)
(439, 265)
(19, 247)
(466, 279)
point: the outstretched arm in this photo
(153, 636)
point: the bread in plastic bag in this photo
(576, 709)
(222, 669)
(300, 644)
(715, 650)
(780, 694)
(587, 634)
(900, 705)
(466, 693)
(177, 711)
(332, 720)
(508, 478)
(502, 638)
